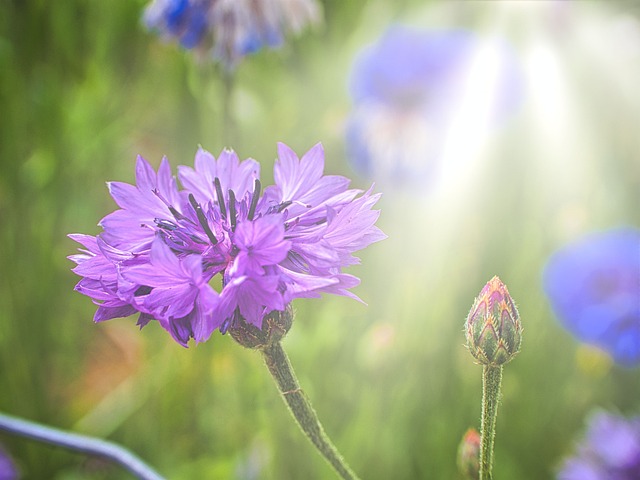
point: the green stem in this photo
(278, 364)
(79, 443)
(491, 379)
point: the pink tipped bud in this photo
(469, 455)
(493, 327)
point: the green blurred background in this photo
(84, 89)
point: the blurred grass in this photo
(83, 90)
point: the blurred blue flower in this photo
(610, 450)
(8, 470)
(229, 29)
(594, 288)
(415, 90)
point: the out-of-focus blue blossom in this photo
(8, 470)
(414, 90)
(229, 29)
(594, 289)
(610, 450)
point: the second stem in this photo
(491, 380)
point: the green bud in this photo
(274, 327)
(493, 327)
(469, 455)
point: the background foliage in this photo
(84, 89)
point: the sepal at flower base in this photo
(275, 326)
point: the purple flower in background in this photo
(159, 253)
(8, 470)
(229, 29)
(610, 450)
(594, 288)
(417, 92)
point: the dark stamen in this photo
(279, 208)
(225, 326)
(196, 239)
(283, 205)
(176, 214)
(254, 199)
(142, 290)
(223, 208)
(202, 219)
(232, 209)
(165, 224)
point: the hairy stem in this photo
(79, 443)
(491, 379)
(278, 364)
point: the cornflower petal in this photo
(153, 197)
(105, 312)
(230, 171)
(301, 180)
(300, 285)
(253, 296)
(180, 297)
(260, 243)
(126, 231)
(295, 176)
(91, 263)
(100, 279)
(142, 199)
(353, 227)
(342, 283)
(312, 256)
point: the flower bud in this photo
(493, 327)
(469, 455)
(275, 326)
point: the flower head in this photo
(609, 450)
(593, 285)
(415, 90)
(160, 253)
(229, 29)
(493, 327)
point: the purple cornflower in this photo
(229, 29)
(8, 470)
(594, 288)
(417, 91)
(159, 253)
(610, 450)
